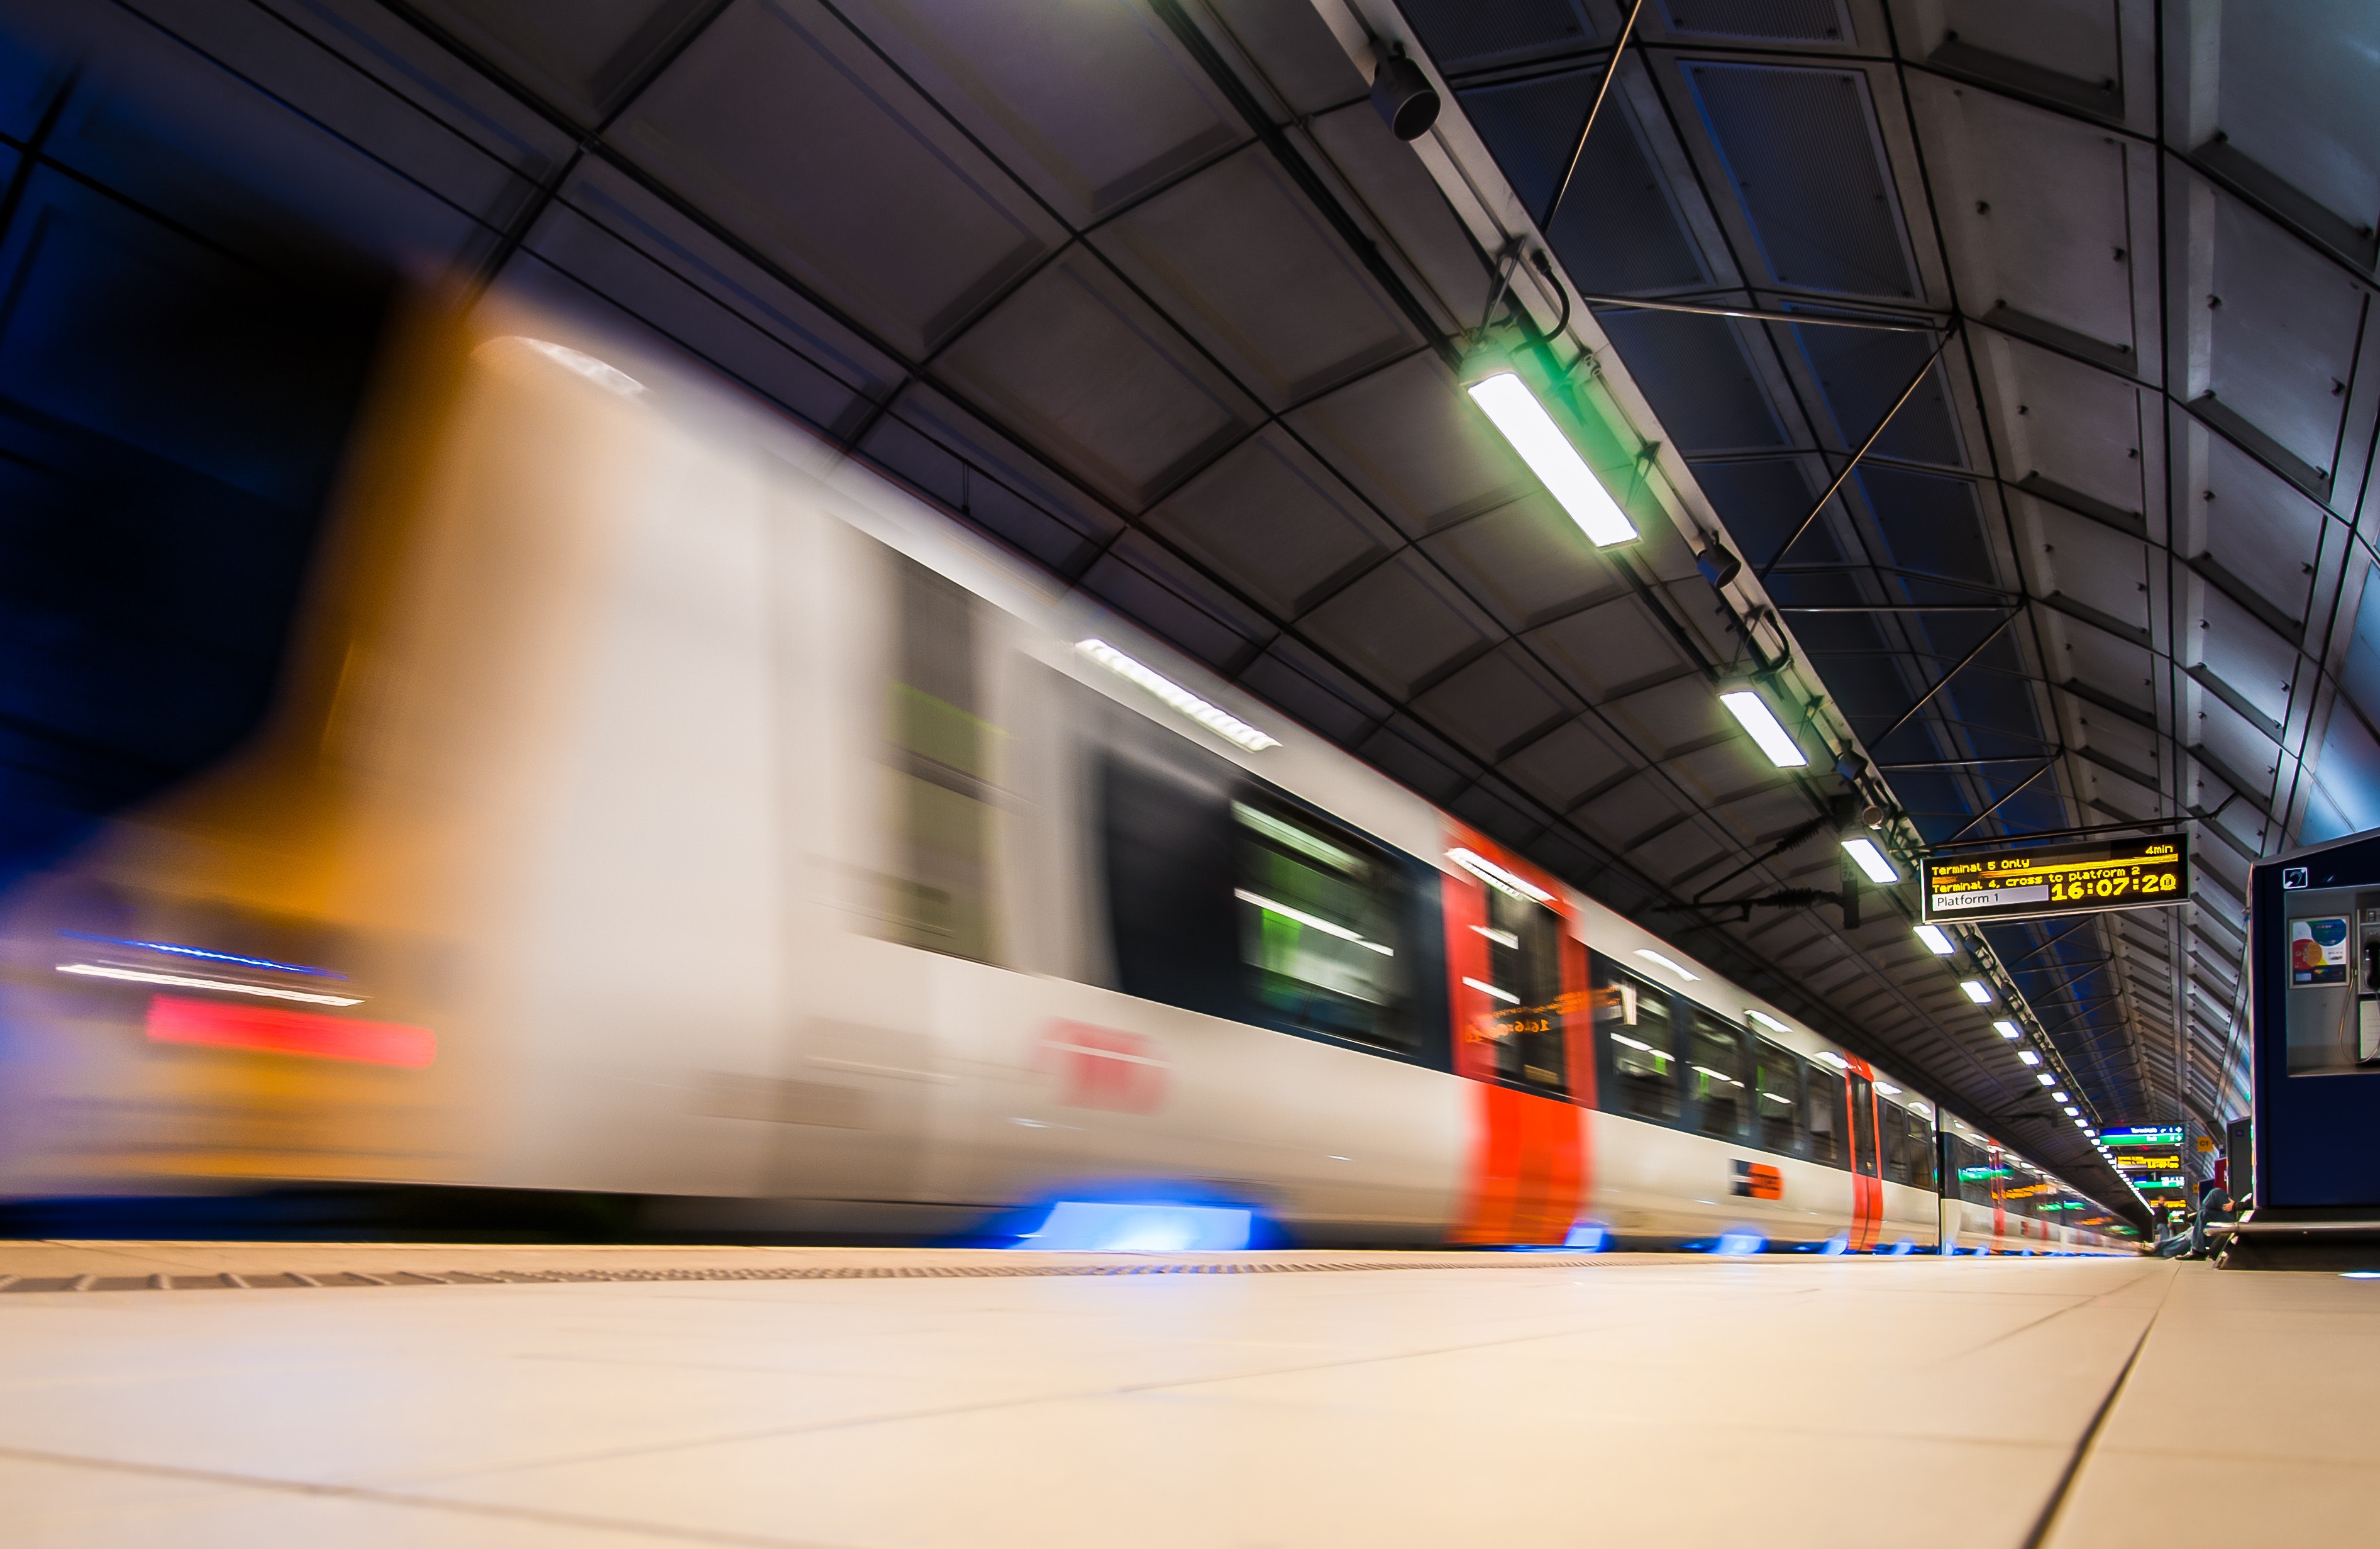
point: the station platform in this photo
(196, 1395)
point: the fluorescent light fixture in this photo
(1838, 1061)
(1775, 1098)
(2007, 1028)
(1506, 399)
(1507, 996)
(1765, 1019)
(1310, 922)
(1887, 1089)
(1658, 961)
(2072, 1112)
(2058, 1097)
(184, 981)
(1753, 712)
(1502, 938)
(1977, 991)
(2028, 1056)
(2046, 1079)
(1938, 941)
(1871, 859)
(608, 377)
(1497, 877)
(1223, 724)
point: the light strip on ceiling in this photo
(1872, 860)
(1222, 723)
(1977, 991)
(1938, 941)
(1752, 713)
(1507, 400)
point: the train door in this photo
(1515, 977)
(1867, 1163)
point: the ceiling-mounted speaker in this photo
(1403, 97)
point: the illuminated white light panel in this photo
(1502, 938)
(1505, 995)
(1659, 961)
(1752, 713)
(2028, 1056)
(1222, 723)
(1311, 922)
(1977, 991)
(1887, 1089)
(2007, 1028)
(2046, 1079)
(1838, 1061)
(2058, 1097)
(1507, 400)
(1495, 876)
(2072, 1113)
(184, 981)
(1765, 1019)
(1938, 941)
(1871, 859)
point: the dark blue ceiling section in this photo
(1617, 232)
(1862, 371)
(2072, 986)
(1797, 147)
(1694, 373)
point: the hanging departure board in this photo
(2064, 879)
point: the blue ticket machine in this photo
(2314, 1026)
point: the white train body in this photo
(683, 811)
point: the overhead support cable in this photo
(1899, 607)
(1630, 303)
(2062, 833)
(2047, 764)
(1942, 682)
(1611, 70)
(1874, 437)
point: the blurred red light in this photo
(175, 1019)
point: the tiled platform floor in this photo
(1494, 1399)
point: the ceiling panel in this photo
(1090, 112)
(1253, 272)
(1277, 523)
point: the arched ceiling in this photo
(1145, 290)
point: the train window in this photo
(1322, 920)
(1714, 1078)
(1826, 1110)
(1922, 1159)
(1863, 1156)
(1525, 962)
(1778, 1104)
(940, 755)
(1632, 1024)
(1895, 1141)
(1973, 1171)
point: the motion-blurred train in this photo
(661, 804)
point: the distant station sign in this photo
(2066, 879)
(2151, 1157)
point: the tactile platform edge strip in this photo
(282, 1280)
